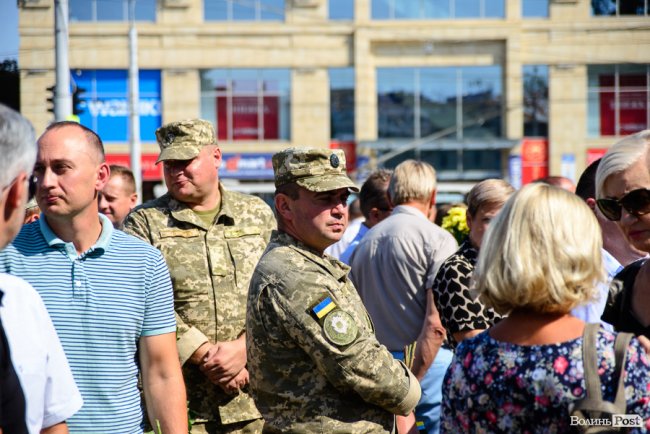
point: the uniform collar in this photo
(333, 266)
(181, 212)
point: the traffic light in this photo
(50, 98)
(78, 104)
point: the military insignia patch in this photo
(323, 307)
(170, 138)
(340, 328)
(334, 160)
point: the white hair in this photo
(17, 145)
(620, 156)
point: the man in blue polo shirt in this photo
(108, 293)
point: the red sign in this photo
(632, 105)
(350, 149)
(150, 171)
(247, 124)
(594, 154)
(534, 159)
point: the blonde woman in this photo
(540, 258)
(460, 312)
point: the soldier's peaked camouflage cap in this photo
(183, 140)
(314, 169)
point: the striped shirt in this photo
(101, 302)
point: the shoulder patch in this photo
(340, 328)
(323, 307)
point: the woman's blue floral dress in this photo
(498, 387)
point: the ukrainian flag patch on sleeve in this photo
(323, 307)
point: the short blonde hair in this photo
(620, 156)
(542, 253)
(412, 181)
(490, 192)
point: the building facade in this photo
(479, 88)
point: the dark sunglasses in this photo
(636, 202)
(32, 188)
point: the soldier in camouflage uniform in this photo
(314, 361)
(211, 239)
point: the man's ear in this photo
(218, 158)
(433, 198)
(591, 202)
(17, 193)
(283, 206)
(12, 198)
(103, 176)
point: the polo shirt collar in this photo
(101, 245)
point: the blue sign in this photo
(246, 166)
(106, 103)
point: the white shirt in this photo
(50, 392)
(592, 311)
(351, 231)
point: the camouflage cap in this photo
(311, 168)
(183, 140)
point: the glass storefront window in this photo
(110, 10)
(618, 99)
(457, 102)
(534, 8)
(341, 103)
(535, 100)
(250, 10)
(436, 9)
(341, 9)
(247, 104)
(620, 7)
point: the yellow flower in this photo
(456, 223)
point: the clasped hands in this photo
(224, 364)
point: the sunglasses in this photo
(636, 203)
(32, 188)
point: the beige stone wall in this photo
(180, 44)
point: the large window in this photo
(110, 10)
(534, 8)
(342, 103)
(535, 100)
(620, 7)
(243, 10)
(247, 104)
(341, 9)
(436, 9)
(618, 99)
(451, 102)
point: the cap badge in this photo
(334, 160)
(170, 138)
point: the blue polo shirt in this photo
(101, 303)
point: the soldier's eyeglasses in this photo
(636, 203)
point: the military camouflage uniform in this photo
(210, 268)
(314, 362)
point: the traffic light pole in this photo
(134, 103)
(62, 99)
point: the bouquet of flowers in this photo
(455, 222)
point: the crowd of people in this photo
(204, 310)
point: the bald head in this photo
(94, 142)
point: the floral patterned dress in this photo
(498, 387)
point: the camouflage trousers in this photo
(246, 427)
